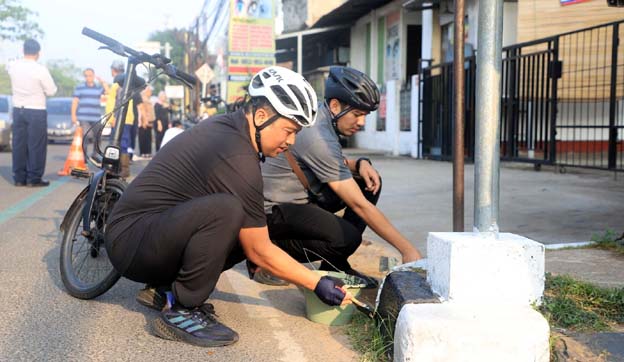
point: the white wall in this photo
(392, 139)
(358, 46)
(510, 23)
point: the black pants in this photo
(30, 142)
(310, 233)
(145, 140)
(159, 138)
(187, 246)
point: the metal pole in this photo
(458, 102)
(299, 54)
(487, 155)
(187, 95)
(613, 131)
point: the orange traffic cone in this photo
(75, 158)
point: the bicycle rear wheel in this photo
(86, 270)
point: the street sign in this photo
(205, 73)
(149, 47)
(174, 91)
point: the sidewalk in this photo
(545, 206)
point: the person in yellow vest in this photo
(112, 100)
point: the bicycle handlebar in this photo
(113, 44)
(157, 60)
(189, 78)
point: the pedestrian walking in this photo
(31, 82)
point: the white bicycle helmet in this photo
(288, 92)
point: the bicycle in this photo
(86, 270)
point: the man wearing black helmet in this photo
(303, 193)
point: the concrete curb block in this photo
(453, 332)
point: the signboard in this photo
(204, 74)
(382, 106)
(251, 43)
(393, 46)
(174, 91)
(149, 47)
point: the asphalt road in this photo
(41, 322)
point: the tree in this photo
(175, 38)
(16, 21)
(5, 81)
(66, 76)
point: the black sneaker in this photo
(153, 297)
(198, 326)
(264, 277)
(40, 183)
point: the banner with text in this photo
(251, 43)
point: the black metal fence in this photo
(436, 114)
(562, 101)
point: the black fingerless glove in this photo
(327, 292)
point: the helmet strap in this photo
(260, 128)
(335, 118)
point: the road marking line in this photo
(24, 204)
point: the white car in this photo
(6, 120)
(60, 127)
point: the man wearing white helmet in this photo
(300, 206)
(197, 210)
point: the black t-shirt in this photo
(216, 156)
(162, 114)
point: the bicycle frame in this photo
(110, 165)
(111, 155)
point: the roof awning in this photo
(349, 12)
(296, 34)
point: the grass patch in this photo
(367, 338)
(609, 240)
(581, 306)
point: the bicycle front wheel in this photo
(86, 270)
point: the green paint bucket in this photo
(319, 312)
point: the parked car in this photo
(6, 120)
(60, 127)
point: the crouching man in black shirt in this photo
(197, 210)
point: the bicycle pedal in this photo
(80, 173)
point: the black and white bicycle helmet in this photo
(352, 87)
(290, 95)
(288, 92)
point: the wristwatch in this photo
(357, 163)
